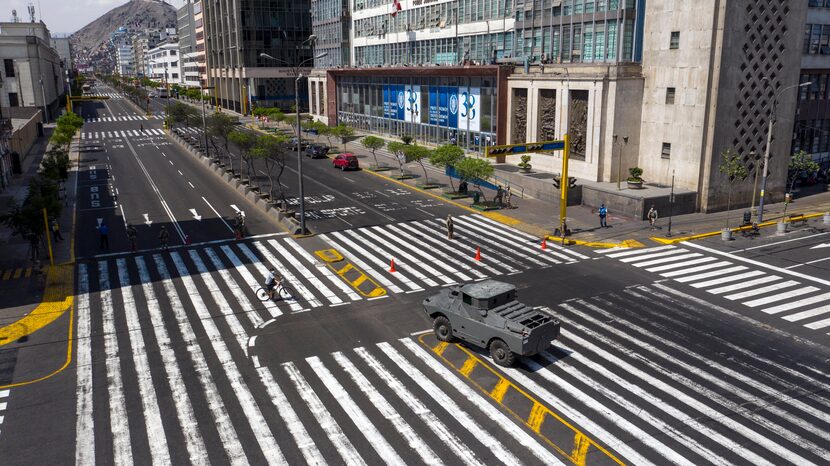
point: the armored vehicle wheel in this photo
(443, 328)
(501, 353)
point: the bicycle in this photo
(282, 290)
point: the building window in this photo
(13, 102)
(674, 43)
(666, 153)
(8, 63)
(669, 96)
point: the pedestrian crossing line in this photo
(762, 290)
(796, 304)
(157, 440)
(415, 405)
(16, 274)
(415, 442)
(446, 251)
(824, 323)
(286, 274)
(263, 271)
(780, 297)
(636, 411)
(531, 255)
(537, 411)
(531, 238)
(470, 249)
(440, 396)
(119, 421)
(271, 306)
(355, 414)
(84, 424)
(718, 381)
(773, 393)
(497, 417)
(224, 426)
(187, 420)
(503, 235)
(410, 264)
(727, 279)
(714, 273)
(632, 252)
(416, 246)
(365, 267)
(666, 259)
(807, 314)
(410, 251)
(699, 268)
(304, 272)
(744, 284)
(324, 419)
(259, 425)
(489, 250)
(248, 308)
(330, 276)
(357, 249)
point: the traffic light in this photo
(557, 179)
(571, 182)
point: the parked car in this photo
(316, 151)
(293, 144)
(346, 161)
(487, 314)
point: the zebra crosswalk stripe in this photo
(569, 252)
(272, 307)
(633, 252)
(446, 251)
(780, 297)
(469, 248)
(407, 242)
(500, 233)
(744, 284)
(304, 272)
(357, 416)
(330, 276)
(400, 276)
(264, 436)
(505, 248)
(156, 437)
(119, 421)
(324, 419)
(295, 283)
(187, 420)
(713, 273)
(401, 258)
(407, 252)
(84, 424)
(727, 279)
(762, 290)
(806, 314)
(664, 260)
(237, 292)
(415, 405)
(263, 270)
(224, 426)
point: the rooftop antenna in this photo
(32, 11)
(15, 19)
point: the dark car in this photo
(346, 161)
(293, 144)
(316, 151)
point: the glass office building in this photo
(438, 106)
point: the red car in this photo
(346, 161)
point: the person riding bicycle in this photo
(272, 282)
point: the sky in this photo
(64, 16)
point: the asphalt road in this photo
(664, 356)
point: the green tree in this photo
(244, 141)
(418, 154)
(179, 112)
(373, 143)
(731, 165)
(271, 149)
(474, 171)
(447, 155)
(407, 139)
(800, 162)
(344, 133)
(397, 148)
(219, 126)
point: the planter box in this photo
(453, 195)
(428, 186)
(635, 184)
(485, 207)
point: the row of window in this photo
(812, 136)
(818, 3)
(482, 48)
(819, 89)
(816, 39)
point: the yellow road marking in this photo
(8, 274)
(28, 272)
(628, 243)
(57, 299)
(331, 256)
(577, 452)
(359, 280)
(734, 230)
(17, 274)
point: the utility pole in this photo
(671, 203)
(563, 189)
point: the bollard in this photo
(726, 234)
(781, 227)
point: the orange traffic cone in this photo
(392, 266)
(544, 243)
(478, 254)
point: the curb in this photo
(734, 230)
(58, 297)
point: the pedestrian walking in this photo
(56, 230)
(652, 217)
(499, 195)
(103, 236)
(164, 235)
(449, 226)
(132, 236)
(603, 213)
(142, 127)
(507, 198)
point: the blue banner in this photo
(452, 106)
(433, 105)
(401, 102)
(386, 102)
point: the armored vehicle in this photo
(487, 314)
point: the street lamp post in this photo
(297, 77)
(619, 159)
(769, 142)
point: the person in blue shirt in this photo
(603, 213)
(104, 236)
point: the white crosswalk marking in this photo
(149, 401)
(324, 418)
(744, 284)
(401, 276)
(119, 421)
(727, 279)
(289, 276)
(317, 284)
(84, 425)
(762, 290)
(224, 426)
(446, 250)
(714, 273)
(398, 239)
(263, 272)
(325, 270)
(663, 260)
(273, 309)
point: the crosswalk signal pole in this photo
(563, 189)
